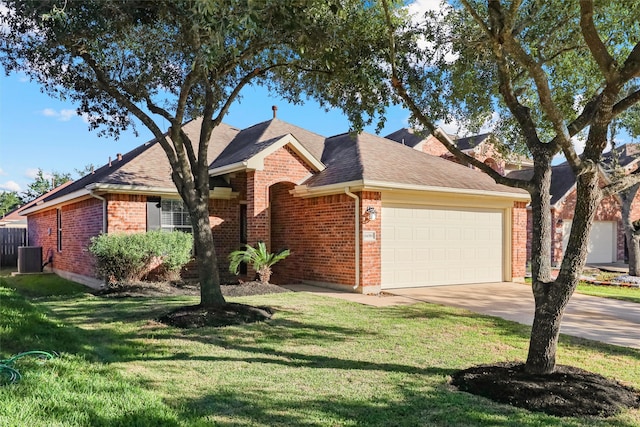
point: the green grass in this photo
(42, 284)
(615, 292)
(318, 362)
(623, 293)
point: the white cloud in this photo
(63, 115)
(32, 173)
(10, 186)
(2, 172)
(419, 7)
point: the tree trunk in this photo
(541, 216)
(631, 235)
(633, 243)
(210, 293)
(546, 322)
(551, 298)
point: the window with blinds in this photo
(174, 216)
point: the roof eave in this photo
(305, 191)
(214, 193)
(79, 194)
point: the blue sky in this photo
(37, 131)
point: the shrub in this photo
(259, 258)
(132, 256)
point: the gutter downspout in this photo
(104, 210)
(357, 217)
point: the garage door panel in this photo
(602, 241)
(424, 246)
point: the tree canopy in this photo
(174, 60)
(551, 74)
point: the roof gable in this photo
(250, 146)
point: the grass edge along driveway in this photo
(319, 362)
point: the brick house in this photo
(607, 241)
(481, 147)
(362, 213)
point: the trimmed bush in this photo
(131, 257)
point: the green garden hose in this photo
(12, 375)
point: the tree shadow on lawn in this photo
(503, 327)
(108, 344)
(408, 404)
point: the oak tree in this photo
(553, 71)
(173, 60)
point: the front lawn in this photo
(318, 362)
(623, 293)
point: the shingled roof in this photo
(147, 165)
(375, 159)
(413, 138)
(563, 179)
(339, 159)
(251, 141)
(407, 136)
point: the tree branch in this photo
(599, 51)
(504, 39)
(435, 131)
(621, 184)
(107, 86)
(626, 103)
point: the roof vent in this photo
(109, 161)
(119, 157)
(275, 111)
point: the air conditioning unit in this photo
(29, 259)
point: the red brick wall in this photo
(609, 210)
(127, 213)
(80, 222)
(433, 146)
(370, 251)
(320, 234)
(486, 153)
(224, 216)
(42, 232)
(519, 224)
(283, 165)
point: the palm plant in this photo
(259, 258)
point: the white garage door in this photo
(427, 246)
(602, 243)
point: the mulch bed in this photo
(160, 289)
(196, 316)
(568, 392)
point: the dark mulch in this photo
(195, 316)
(569, 392)
(162, 289)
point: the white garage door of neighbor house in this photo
(428, 246)
(602, 243)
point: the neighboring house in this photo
(481, 147)
(356, 212)
(15, 219)
(13, 231)
(607, 242)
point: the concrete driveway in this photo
(601, 319)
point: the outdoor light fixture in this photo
(370, 214)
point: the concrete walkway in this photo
(601, 319)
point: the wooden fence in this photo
(10, 239)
